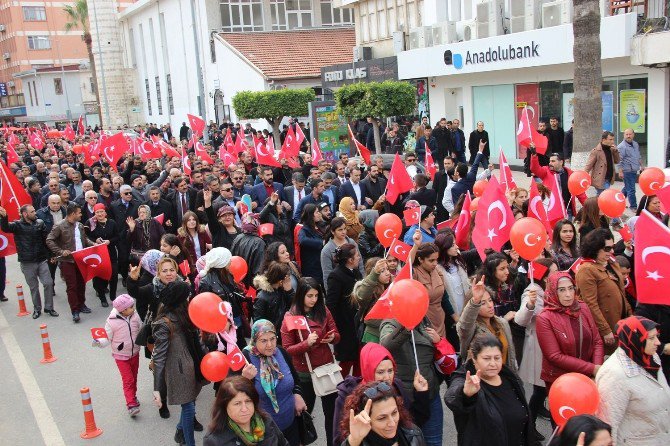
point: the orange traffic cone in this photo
(92, 430)
(22, 303)
(46, 346)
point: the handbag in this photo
(325, 378)
(306, 428)
(144, 337)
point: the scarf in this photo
(149, 261)
(551, 302)
(632, 333)
(228, 337)
(351, 217)
(146, 235)
(257, 433)
(269, 373)
(250, 223)
(160, 286)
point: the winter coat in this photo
(187, 240)
(560, 348)
(220, 235)
(450, 286)
(369, 245)
(174, 366)
(327, 265)
(634, 403)
(252, 249)
(340, 285)
(661, 315)
(531, 364)
(121, 334)
(468, 326)
(310, 245)
(44, 214)
(29, 238)
(273, 436)
(367, 292)
(596, 165)
(478, 420)
(107, 231)
(283, 225)
(136, 236)
(319, 354)
(271, 304)
(62, 238)
(411, 436)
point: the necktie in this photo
(184, 206)
(299, 195)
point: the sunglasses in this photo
(126, 193)
(372, 392)
(608, 248)
(227, 189)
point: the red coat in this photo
(559, 348)
(319, 354)
(543, 172)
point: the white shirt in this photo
(196, 244)
(447, 201)
(357, 191)
(77, 238)
(412, 170)
(297, 196)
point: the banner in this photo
(331, 131)
(607, 98)
(631, 110)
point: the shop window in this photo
(58, 86)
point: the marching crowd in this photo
(301, 321)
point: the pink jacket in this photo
(121, 334)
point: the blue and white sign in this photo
(3, 89)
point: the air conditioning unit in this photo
(3, 28)
(421, 37)
(469, 30)
(6, 56)
(362, 53)
(525, 15)
(11, 83)
(398, 42)
(556, 13)
(490, 18)
(444, 33)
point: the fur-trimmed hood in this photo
(261, 284)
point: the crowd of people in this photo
(490, 331)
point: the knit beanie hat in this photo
(123, 302)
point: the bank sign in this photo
(500, 53)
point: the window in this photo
(39, 42)
(34, 14)
(30, 93)
(146, 85)
(37, 102)
(159, 100)
(290, 14)
(242, 15)
(170, 98)
(91, 81)
(278, 8)
(335, 16)
(58, 85)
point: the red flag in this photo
(36, 141)
(451, 224)
(13, 139)
(236, 359)
(316, 153)
(290, 146)
(652, 269)
(537, 270)
(146, 149)
(399, 250)
(200, 150)
(296, 322)
(626, 235)
(382, 308)
(264, 154)
(556, 209)
(240, 143)
(228, 143)
(12, 156)
(91, 153)
(251, 292)
(12, 195)
(185, 162)
(266, 229)
(527, 134)
(160, 218)
(506, 177)
(430, 163)
(663, 194)
(7, 245)
(403, 273)
(399, 181)
(69, 132)
(494, 219)
(113, 148)
(93, 262)
(365, 153)
(197, 124)
(80, 126)
(99, 333)
(299, 135)
(163, 145)
(185, 268)
(577, 264)
(412, 216)
(536, 207)
(227, 158)
(463, 226)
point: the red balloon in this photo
(238, 268)
(612, 203)
(651, 180)
(473, 204)
(387, 228)
(578, 182)
(207, 312)
(528, 237)
(480, 187)
(214, 366)
(572, 394)
(409, 300)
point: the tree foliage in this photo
(77, 16)
(272, 105)
(376, 99)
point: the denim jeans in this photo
(432, 429)
(186, 422)
(629, 179)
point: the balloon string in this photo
(386, 253)
(530, 271)
(416, 358)
(567, 206)
(553, 434)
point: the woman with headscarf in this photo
(275, 379)
(176, 358)
(250, 246)
(567, 334)
(144, 233)
(348, 211)
(652, 204)
(368, 242)
(634, 392)
(215, 278)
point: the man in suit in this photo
(239, 187)
(374, 183)
(214, 185)
(340, 173)
(87, 212)
(445, 145)
(315, 197)
(121, 209)
(296, 192)
(261, 191)
(465, 179)
(458, 138)
(183, 201)
(356, 190)
(160, 206)
(425, 196)
(330, 191)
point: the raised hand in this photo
(472, 383)
(417, 237)
(207, 197)
(380, 265)
(359, 425)
(249, 371)
(3, 212)
(478, 290)
(134, 272)
(130, 221)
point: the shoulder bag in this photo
(144, 337)
(325, 378)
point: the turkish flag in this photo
(296, 322)
(663, 194)
(12, 194)
(36, 141)
(265, 154)
(185, 268)
(399, 181)
(625, 233)
(69, 132)
(382, 308)
(146, 149)
(451, 224)
(365, 153)
(537, 270)
(185, 162)
(430, 163)
(494, 219)
(228, 143)
(240, 143)
(556, 209)
(91, 153)
(536, 207)
(197, 124)
(506, 178)
(403, 273)
(12, 156)
(527, 134)
(652, 268)
(299, 135)
(7, 245)
(462, 229)
(200, 150)
(412, 216)
(13, 139)
(399, 250)
(290, 147)
(93, 262)
(226, 157)
(266, 229)
(251, 292)
(159, 218)
(236, 359)
(316, 153)
(98, 333)
(163, 145)
(578, 263)
(113, 148)
(80, 126)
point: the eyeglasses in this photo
(227, 189)
(608, 248)
(411, 160)
(126, 193)
(238, 179)
(372, 392)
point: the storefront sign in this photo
(16, 111)
(3, 89)
(631, 110)
(492, 54)
(607, 98)
(376, 70)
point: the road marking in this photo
(45, 421)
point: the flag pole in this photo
(530, 271)
(528, 122)
(416, 358)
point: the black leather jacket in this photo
(412, 436)
(29, 238)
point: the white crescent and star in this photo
(498, 205)
(652, 187)
(93, 257)
(563, 409)
(261, 152)
(237, 357)
(533, 205)
(5, 242)
(387, 235)
(525, 239)
(99, 333)
(584, 183)
(619, 197)
(654, 275)
(399, 252)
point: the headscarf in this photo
(217, 258)
(351, 217)
(551, 302)
(368, 218)
(229, 335)
(149, 261)
(269, 374)
(250, 223)
(631, 225)
(632, 333)
(371, 355)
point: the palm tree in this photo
(77, 18)
(588, 79)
